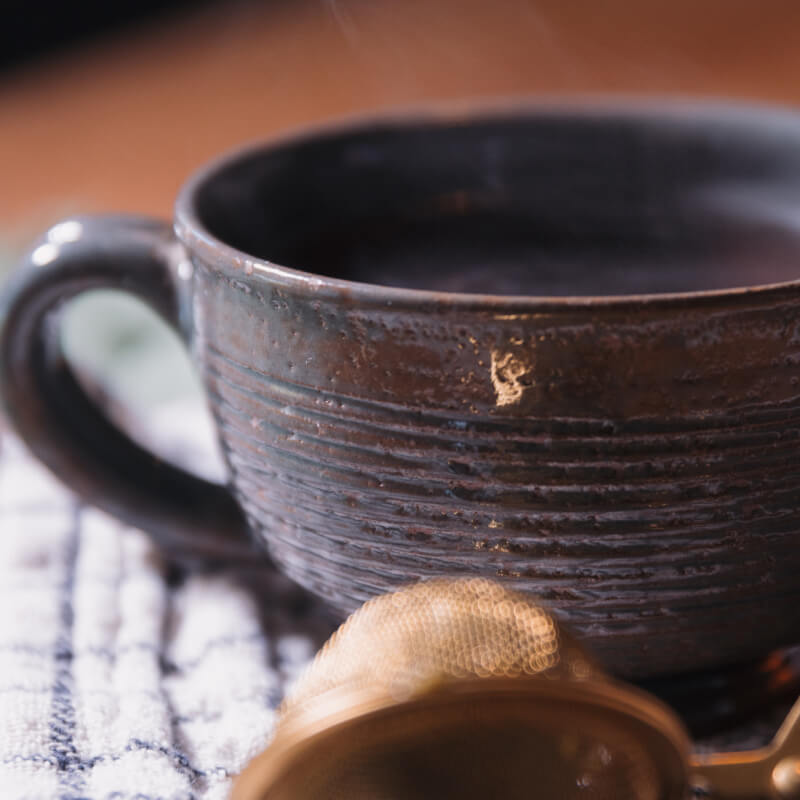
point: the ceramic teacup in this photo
(556, 344)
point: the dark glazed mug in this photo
(557, 345)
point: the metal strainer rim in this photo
(341, 710)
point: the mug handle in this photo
(193, 520)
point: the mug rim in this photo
(236, 263)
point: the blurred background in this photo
(109, 106)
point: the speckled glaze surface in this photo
(631, 458)
(666, 536)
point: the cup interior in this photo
(535, 202)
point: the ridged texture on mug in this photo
(635, 468)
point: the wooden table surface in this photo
(119, 124)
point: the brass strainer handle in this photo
(771, 773)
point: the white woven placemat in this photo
(119, 681)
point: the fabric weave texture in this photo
(120, 678)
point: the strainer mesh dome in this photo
(440, 630)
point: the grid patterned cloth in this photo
(120, 679)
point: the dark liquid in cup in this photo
(548, 206)
(493, 255)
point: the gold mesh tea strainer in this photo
(464, 689)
